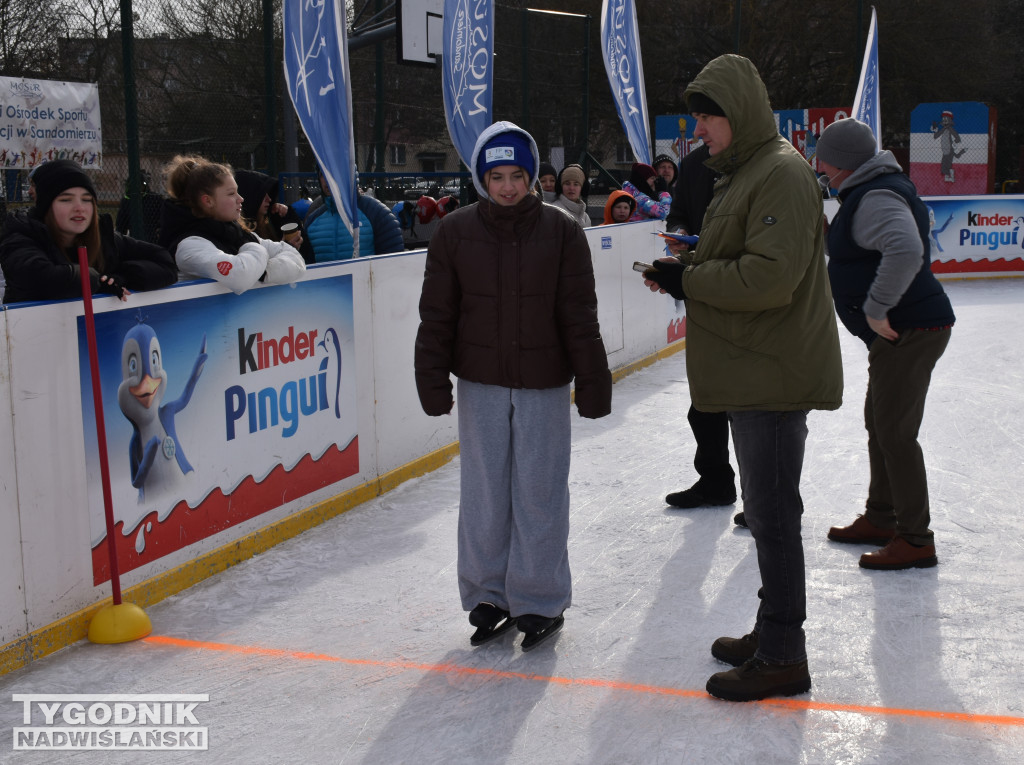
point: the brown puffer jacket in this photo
(508, 299)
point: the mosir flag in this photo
(865, 104)
(317, 72)
(620, 44)
(466, 71)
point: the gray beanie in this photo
(846, 144)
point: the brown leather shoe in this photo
(861, 532)
(900, 554)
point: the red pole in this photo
(101, 430)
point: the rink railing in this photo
(304, 407)
(278, 439)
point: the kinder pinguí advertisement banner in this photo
(42, 120)
(950, 146)
(977, 234)
(218, 409)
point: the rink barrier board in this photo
(75, 627)
(45, 606)
(396, 442)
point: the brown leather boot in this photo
(900, 554)
(755, 679)
(735, 651)
(861, 532)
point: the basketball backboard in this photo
(420, 25)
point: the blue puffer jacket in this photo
(328, 235)
(379, 230)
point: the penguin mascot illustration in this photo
(155, 454)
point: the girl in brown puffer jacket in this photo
(509, 307)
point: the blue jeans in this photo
(770, 451)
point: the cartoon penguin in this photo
(155, 453)
(336, 343)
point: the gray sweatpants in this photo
(514, 505)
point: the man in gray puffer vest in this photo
(885, 294)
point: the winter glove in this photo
(594, 394)
(660, 184)
(668, 274)
(111, 284)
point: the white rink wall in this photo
(50, 538)
(50, 493)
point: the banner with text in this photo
(319, 82)
(867, 103)
(42, 120)
(620, 45)
(216, 410)
(979, 234)
(467, 71)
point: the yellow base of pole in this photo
(119, 624)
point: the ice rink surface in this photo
(347, 644)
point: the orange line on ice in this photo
(658, 690)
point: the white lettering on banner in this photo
(472, 59)
(111, 721)
(620, 63)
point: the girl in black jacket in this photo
(39, 248)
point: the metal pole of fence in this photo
(525, 117)
(586, 89)
(131, 120)
(268, 69)
(378, 126)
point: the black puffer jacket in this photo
(508, 299)
(37, 269)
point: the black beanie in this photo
(698, 103)
(54, 177)
(546, 168)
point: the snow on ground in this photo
(348, 645)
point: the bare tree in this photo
(29, 31)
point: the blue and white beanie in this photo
(504, 143)
(505, 149)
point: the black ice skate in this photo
(537, 629)
(490, 621)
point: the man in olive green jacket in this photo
(762, 345)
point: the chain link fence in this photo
(225, 100)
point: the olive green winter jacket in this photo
(760, 326)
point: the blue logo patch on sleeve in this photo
(768, 220)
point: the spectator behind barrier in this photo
(547, 180)
(269, 219)
(39, 249)
(203, 228)
(379, 230)
(665, 166)
(653, 200)
(619, 207)
(152, 205)
(572, 189)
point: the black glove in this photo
(113, 286)
(668, 274)
(660, 184)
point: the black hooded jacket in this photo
(37, 269)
